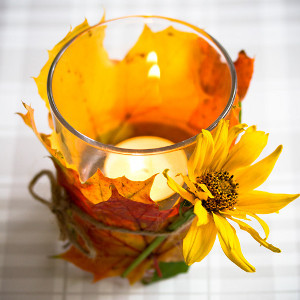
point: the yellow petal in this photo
(178, 188)
(206, 190)
(199, 241)
(242, 215)
(220, 136)
(220, 133)
(247, 150)
(262, 223)
(189, 184)
(202, 155)
(258, 202)
(193, 189)
(201, 213)
(230, 243)
(253, 176)
(255, 235)
(236, 213)
(234, 132)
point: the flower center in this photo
(222, 187)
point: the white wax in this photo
(141, 167)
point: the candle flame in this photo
(152, 57)
(154, 70)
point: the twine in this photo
(62, 207)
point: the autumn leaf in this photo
(135, 211)
(216, 82)
(28, 119)
(104, 266)
(116, 100)
(160, 100)
(98, 188)
(41, 80)
(244, 67)
(117, 250)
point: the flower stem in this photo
(240, 113)
(158, 240)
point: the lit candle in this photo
(141, 167)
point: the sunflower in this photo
(221, 185)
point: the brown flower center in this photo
(222, 187)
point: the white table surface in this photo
(268, 30)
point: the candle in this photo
(141, 167)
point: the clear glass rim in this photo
(110, 148)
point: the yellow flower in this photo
(220, 184)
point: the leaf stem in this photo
(158, 240)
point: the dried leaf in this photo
(41, 80)
(28, 119)
(115, 250)
(115, 100)
(138, 191)
(244, 67)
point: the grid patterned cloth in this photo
(268, 30)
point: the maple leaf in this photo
(115, 99)
(124, 204)
(41, 80)
(115, 250)
(45, 139)
(244, 67)
(216, 83)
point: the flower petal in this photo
(199, 241)
(235, 213)
(242, 215)
(259, 202)
(202, 155)
(262, 223)
(178, 188)
(201, 213)
(234, 132)
(192, 188)
(220, 135)
(255, 235)
(253, 176)
(247, 150)
(230, 243)
(220, 132)
(206, 190)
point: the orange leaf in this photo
(244, 66)
(116, 250)
(41, 80)
(138, 191)
(106, 266)
(111, 100)
(28, 119)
